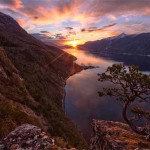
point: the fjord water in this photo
(82, 103)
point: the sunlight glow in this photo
(73, 43)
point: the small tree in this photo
(131, 86)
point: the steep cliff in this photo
(32, 79)
(109, 135)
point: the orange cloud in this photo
(26, 24)
(95, 29)
(11, 3)
(22, 22)
(87, 13)
(44, 15)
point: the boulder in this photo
(28, 137)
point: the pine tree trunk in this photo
(132, 126)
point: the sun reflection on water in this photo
(85, 58)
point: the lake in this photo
(82, 103)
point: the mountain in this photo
(137, 44)
(32, 80)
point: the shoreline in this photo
(64, 91)
(77, 71)
(64, 96)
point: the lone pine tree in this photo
(130, 87)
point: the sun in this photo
(74, 43)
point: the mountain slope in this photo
(32, 80)
(122, 44)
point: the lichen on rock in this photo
(28, 137)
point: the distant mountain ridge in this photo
(136, 44)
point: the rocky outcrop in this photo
(109, 135)
(29, 137)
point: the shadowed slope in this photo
(42, 70)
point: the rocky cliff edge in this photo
(110, 135)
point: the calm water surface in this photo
(82, 102)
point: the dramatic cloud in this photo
(45, 32)
(88, 19)
(11, 3)
(60, 36)
(94, 29)
(70, 31)
(69, 28)
(24, 23)
(42, 37)
(58, 10)
(119, 7)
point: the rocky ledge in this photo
(89, 67)
(109, 135)
(29, 137)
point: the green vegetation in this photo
(44, 84)
(131, 87)
(11, 115)
(35, 79)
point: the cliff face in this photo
(109, 135)
(32, 79)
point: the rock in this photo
(109, 135)
(90, 67)
(14, 146)
(27, 137)
(1, 145)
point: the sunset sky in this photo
(79, 20)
